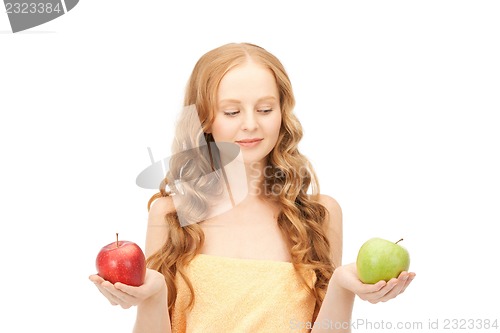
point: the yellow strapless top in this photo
(235, 295)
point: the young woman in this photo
(242, 241)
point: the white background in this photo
(399, 102)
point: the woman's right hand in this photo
(127, 296)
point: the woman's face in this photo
(248, 111)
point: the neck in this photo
(244, 180)
(255, 175)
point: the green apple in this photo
(380, 259)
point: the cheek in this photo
(220, 130)
(215, 130)
(275, 125)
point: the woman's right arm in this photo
(152, 313)
(151, 297)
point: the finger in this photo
(129, 290)
(410, 279)
(115, 296)
(136, 293)
(371, 292)
(124, 299)
(99, 281)
(382, 288)
(96, 278)
(374, 288)
(366, 291)
(379, 285)
(395, 291)
(119, 297)
(121, 294)
(378, 296)
(400, 284)
(404, 279)
(112, 300)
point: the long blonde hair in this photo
(301, 219)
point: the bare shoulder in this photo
(331, 205)
(333, 227)
(161, 207)
(157, 231)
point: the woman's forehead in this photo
(248, 81)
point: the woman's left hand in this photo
(381, 291)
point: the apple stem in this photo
(396, 242)
(116, 239)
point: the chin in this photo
(254, 161)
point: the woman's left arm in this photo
(336, 310)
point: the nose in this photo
(249, 121)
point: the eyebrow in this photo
(230, 100)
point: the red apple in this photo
(122, 261)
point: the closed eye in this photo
(231, 113)
(265, 110)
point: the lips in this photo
(249, 140)
(248, 143)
